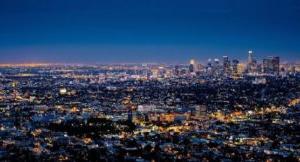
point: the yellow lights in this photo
(14, 84)
(178, 128)
(192, 61)
(62, 91)
(26, 75)
(219, 116)
(74, 109)
(251, 141)
(37, 148)
(294, 102)
(233, 117)
(272, 109)
(87, 140)
(36, 132)
(167, 117)
(241, 68)
(242, 116)
(63, 158)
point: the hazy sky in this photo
(113, 31)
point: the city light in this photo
(149, 81)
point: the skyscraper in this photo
(193, 66)
(251, 64)
(209, 67)
(267, 65)
(226, 65)
(250, 57)
(235, 64)
(216, 67)
(271, 65)
(276, 64)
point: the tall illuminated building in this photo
(226, 65)
(209, 67)
(235, 64)
(250, 57)
(193, 66)
(216, 67)
(241, 68)
(251, 64)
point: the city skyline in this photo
(152, 31)
(149, 81)
(242, 60)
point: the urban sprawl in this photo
(221, 110)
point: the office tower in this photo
(226, 65)
(276, 65)
(216, 64)
(216, 67)
(259, 68)
(209, 67)
(267, 65)
(271, 65)
(193, 66)
(251, 64)
(241, 68)
(250, 57)
(235, 64)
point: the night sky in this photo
(130, 31)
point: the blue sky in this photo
(147, 30)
